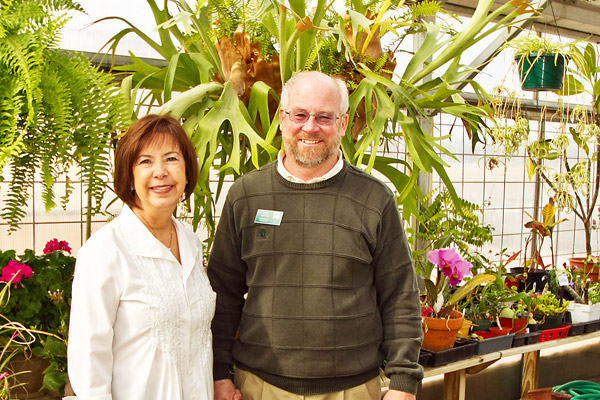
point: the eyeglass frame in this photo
(316, 115)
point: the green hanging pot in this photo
(543, 72)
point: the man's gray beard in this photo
(311, 158)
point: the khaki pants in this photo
(254, 388)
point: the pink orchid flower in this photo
(451, 264)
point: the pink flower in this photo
(4, 375)
(425, 312)
(451, 264)
(15, 271)
(55, 245)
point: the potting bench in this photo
(455, 374)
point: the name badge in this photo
(268, 217)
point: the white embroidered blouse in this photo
(140, 321)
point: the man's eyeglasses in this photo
(323, 119)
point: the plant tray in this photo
(592, 326)
(525, 339)
(494, 344)
(551, 334)
(424, 358)
(578, 329)
(462, 349)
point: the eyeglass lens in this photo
(321, 118)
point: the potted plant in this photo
(516, 315)
(541, 61)
(441, 322)
(585, 306)
(38, 300)
(574, 182)
(547, 309)
(533, 272)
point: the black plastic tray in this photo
(592, 326)
(578, 329)
(425, 358)
(525, 339)
(494, 344)
(461, 350)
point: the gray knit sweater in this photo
(330, 291)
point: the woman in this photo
(142, 305)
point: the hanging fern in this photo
(58, 111)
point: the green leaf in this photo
(469, 286)
(55, 380)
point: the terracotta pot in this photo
(499, 331)
(440, 333)
(517, 325)
(588, 268)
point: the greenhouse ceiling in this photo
(577, 19)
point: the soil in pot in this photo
(440, 333)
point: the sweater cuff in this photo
(403, 383)
(222, 371)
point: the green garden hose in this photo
(580, 390)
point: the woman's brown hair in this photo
(141, 132)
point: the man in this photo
(314, 277)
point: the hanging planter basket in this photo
(541, 72)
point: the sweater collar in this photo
(290, 177)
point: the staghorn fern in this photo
(58, 111)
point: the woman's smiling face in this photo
(159, 175)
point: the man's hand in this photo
(225, 390)
(396, 395)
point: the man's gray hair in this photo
(341, 85)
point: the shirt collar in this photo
(144, 244)
(329, 174)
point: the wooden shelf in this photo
(455, 373)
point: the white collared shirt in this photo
(140, 321)
(329, 174)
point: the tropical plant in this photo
(39, 301)
(540, 45)
(229, 80)
(497, 296)
(444, 223)
(546, 303)
(574, 184)
(509, 130)
(58, 111)
(581, 288)
(539, 231)
(450, 271)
